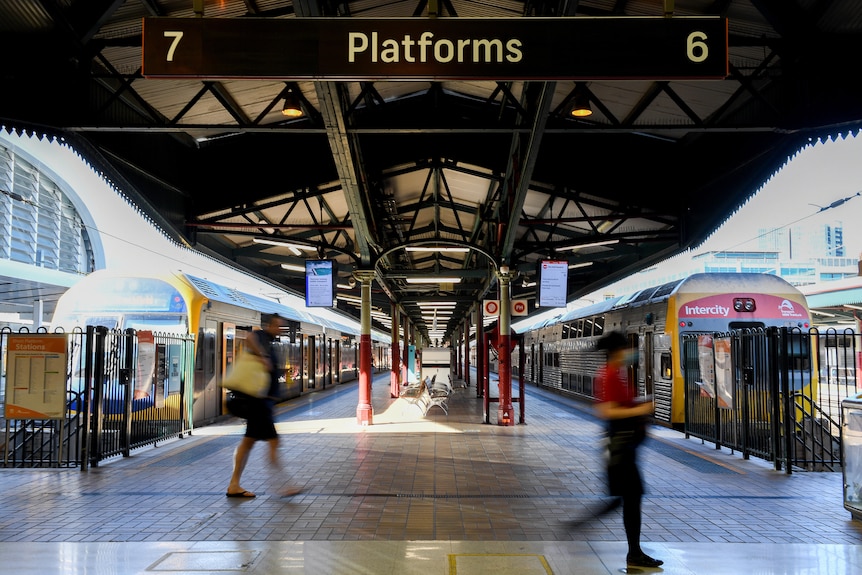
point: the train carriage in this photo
(561, 355)
(315, 350)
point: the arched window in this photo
(39, 225)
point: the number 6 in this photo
(177, 36)
(694, 43)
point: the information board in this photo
(36, 376)
(553, 283)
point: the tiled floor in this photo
(444, 494)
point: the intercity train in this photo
(560, 353)
(317, 349)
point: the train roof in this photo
(223, 294)
(695, 283)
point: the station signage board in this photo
(436, 49)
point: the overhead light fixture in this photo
(433, 280)
(271, 242)
(293, 268)
(581, 103)
(436, 249)
(589, 245)
(292, 104)
(580, 265)
(437, 303)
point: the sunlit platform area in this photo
(439, 493)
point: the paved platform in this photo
(441, 494)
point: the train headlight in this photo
(744, 304)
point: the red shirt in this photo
(613, 385)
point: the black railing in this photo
(774, 394)
(121, 395)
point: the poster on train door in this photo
(723, 372)
(716, 374)
(36, 376)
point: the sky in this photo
(818, 176)
(801, 192)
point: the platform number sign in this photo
(437, 49)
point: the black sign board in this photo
(436, 49)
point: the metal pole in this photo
(364, 410)
(505, 409)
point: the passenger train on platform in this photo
(560, 353)
(318, 349)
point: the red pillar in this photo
(364, 410)
(395, 369)
(505, 409)
(481, 364)
(467, 351)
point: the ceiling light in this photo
(292, 104)
(282, 244)
(589, 245)
(437, 303)
(293, 268)
(349, 298)
(580, 265)
(433, 280)
(436, 249)
(581, 103)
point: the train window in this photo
(798, 351)
(599, 325)
(580, 329)
(666, 366)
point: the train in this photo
(560, 353)
(317, 349)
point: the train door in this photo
(541, 363)
(646, 355)
(634, 369)
(229, 349)
(206, 404)
(310, 362)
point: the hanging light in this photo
(581, 103)
(292, 105)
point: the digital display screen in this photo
(319, 283)
(553, 283)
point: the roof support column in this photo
(467, 350)
(505, 410)
(395, 371)
(364, 410)
(481, 352)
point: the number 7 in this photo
(177, 36)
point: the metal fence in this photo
(123, 390)
(774, 394)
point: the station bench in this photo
(427, 394)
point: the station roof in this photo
(376, 165)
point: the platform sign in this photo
(491, 307)
(519, 307)
(36, 376)
(437, 49)
(553, 283)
